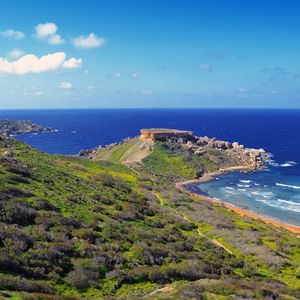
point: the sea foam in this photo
(288, 186)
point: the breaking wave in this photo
(288, 186)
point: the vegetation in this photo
(71, 228)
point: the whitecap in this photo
(285, 165)
(289, 202)
(292, 162)
(241, 190)
(285, 205)
(243, 185)
(245, 181)
(288, 186)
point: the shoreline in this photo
(240, 211)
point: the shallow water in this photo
(268, 193)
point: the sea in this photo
(274, 193)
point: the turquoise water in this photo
(268, 193)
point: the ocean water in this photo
(275, 192)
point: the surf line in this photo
(242, 212)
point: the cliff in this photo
(164, 134)
(177, 154)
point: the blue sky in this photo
(158, 53)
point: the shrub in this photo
(83, 276)
(20, 170)
(44, 204)
(17, 212)
(22, 284)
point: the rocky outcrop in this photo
(230, 153)
(164, 134)
(12, 127)
(199, 146)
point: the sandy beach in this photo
(236, 209)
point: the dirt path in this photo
(201, 234)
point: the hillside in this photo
(73, 228)
(176, 158)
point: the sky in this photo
(150, 54)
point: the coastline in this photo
(242, 212)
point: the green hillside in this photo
(72, 228)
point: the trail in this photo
(201, 234)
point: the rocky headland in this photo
(12, 127)
(233, 154)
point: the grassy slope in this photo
(81, 228)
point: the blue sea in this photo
(274, 193)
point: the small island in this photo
(13, 127)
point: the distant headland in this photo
(12, 127)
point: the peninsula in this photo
(13, 127)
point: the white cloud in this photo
(56, 40)
(90, 88)
(88, 42)
(45, 30)
(66, 85)
(10, 33)
(242, 90)
(16, 53)
(206, 67)
(118, 75)
(32, 64)
(48, 31)
(72, 63)
(134, 75)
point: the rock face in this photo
(164, 134)
(10, 127)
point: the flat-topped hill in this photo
(163, 134)
(176, 154)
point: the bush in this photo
(20, 170)
(17, 212)
(22, 284)
(83, 276)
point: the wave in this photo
(285, 165)
(289, 202)
(285, 205)
(243, 185)
(245, 181)
(263, 194)
(292, 162)
(288, 186)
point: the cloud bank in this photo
(32, 64)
